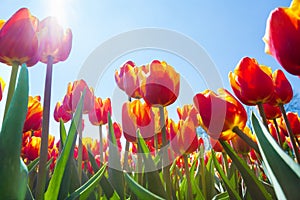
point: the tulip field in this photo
(148, 154)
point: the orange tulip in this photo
(282, 39)
(251, 83)
(184, 138)
(98, 113)
(18, 39)
(272, 112)
(32, 149)
(34, 115)
(73, 95)
(137, 115)
(129, 79)
(54, 41)
(2, 85)
(161, 84)
(283, 91)
(220, 113)
(189, 111)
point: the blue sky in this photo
(227, 30)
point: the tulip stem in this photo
(125, 164)
(41, 179)
(101, 145)
(188, 178)
(277, 132)
(165, 157)
(12, 85)
(290, 132)
(244, 137)
(263, 115)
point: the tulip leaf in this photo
(140, 191)
(221, 196)
(230, 189)
(154, 182)
(283, 171)
(32, 165)
(115, 172)
(85, 190)
(56, 179)
(254, 186)
(104, 183)
(13, 171)
(62, 132)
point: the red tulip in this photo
(73, 95)
(34, 115)
(283, 91)
(18, 39)
(54, 41)
(2, 85)
(98, 113)
(184, 138)
(60, 112)
(251, 83)
(294, 120)
(282, 39)
(161, 84)
(220, 113)
(272, 112)
(239, 145)
(189, 111)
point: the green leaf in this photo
(154, 182)
(85, 190)
(283, 171)
(55, 182)
(221, 196)
(32, 165)
(254, 186)
(140, 191)
(230, 189)
(115, 172)
(13, 171)
(62, 132)
(105, 184)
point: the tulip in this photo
(74, 92)
(184, 138)
(2, 86)
(19, 48)
(294, 120)
(239, 145)
(220, 113)
(189, 111)
(34, 115)
(137, 115)
(53, 40)
(98, 113)
(60, 112)
(277, 134)
(161, 84)
(272, 112)
(282, 39)
(251, 83)
(283, 91)
(129, 79)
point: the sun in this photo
(59, 9)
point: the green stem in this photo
(244, 137)
(79, 159)
(202, 168)
(277, 132)
(263, 115)
(139, 165)
(188, 177)
(41, 179)
(101, 145)
(225, 162)
(165, 157)
(290, 132)
(12, 85)
(125, 164)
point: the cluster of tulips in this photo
(162, 158)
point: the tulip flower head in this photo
(2, 85)
(60, 112)
(99, 113)
(19, 48)
(272, 112)
(251, 83)
(160, 87)
(34, 115)
(53, 40)
(189, 110)
(282, 39)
